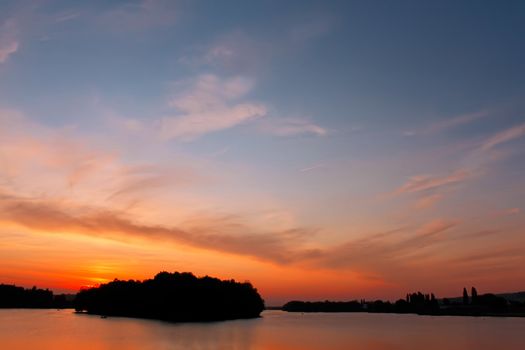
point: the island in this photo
(176, 297)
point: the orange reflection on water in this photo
(275, 330)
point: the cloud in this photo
(450, 123)
(40, 207)
(140, 15)
(291, 127)
(60, 160)
(55, 183)
(428, 201)
(8, 42)
(378, 253)
(434, 228)
(224, 234)
(236, 51)
(313, 167)
(387, 251)
(70, 165)
(210, 104)
(6, 49)
(507, 212)
(457, 121)
(66, 16)
(241, 51)
(503, 137)
(492, 256)
(421, 183)
(137, 179)
(430, 187)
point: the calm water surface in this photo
(52, 329)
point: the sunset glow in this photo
(271, 143)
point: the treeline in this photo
(173, 297)
(479, 305)
(12, 296)
(422, 304)
(413, 303)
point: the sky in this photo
(319, 149)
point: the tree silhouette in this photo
(465, 296)
(474, 296)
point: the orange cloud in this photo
(221, 234)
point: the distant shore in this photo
(485, 305)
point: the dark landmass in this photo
(511, 297)
(423, 304)
(176, 297)
(518, 296)
(12, 296)
(184, 297)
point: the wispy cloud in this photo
(235, 51)
(386, 252)
(507, 212)
(449, 123)
(428, 201)
(8, 42)
(240, 51)
(313, 167)
(139, 15)
(503, 137)
(422, 183)
(67, 16)
(430, 188)
(136, 180)
(291, 127)
(208, 105)
(492, 256)
(69, 165)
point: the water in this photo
(276, 330)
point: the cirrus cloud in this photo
(291, 127)
(422, 183)
(8, 42)
(208, 105)
(503, 137)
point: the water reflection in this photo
(51, 329)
